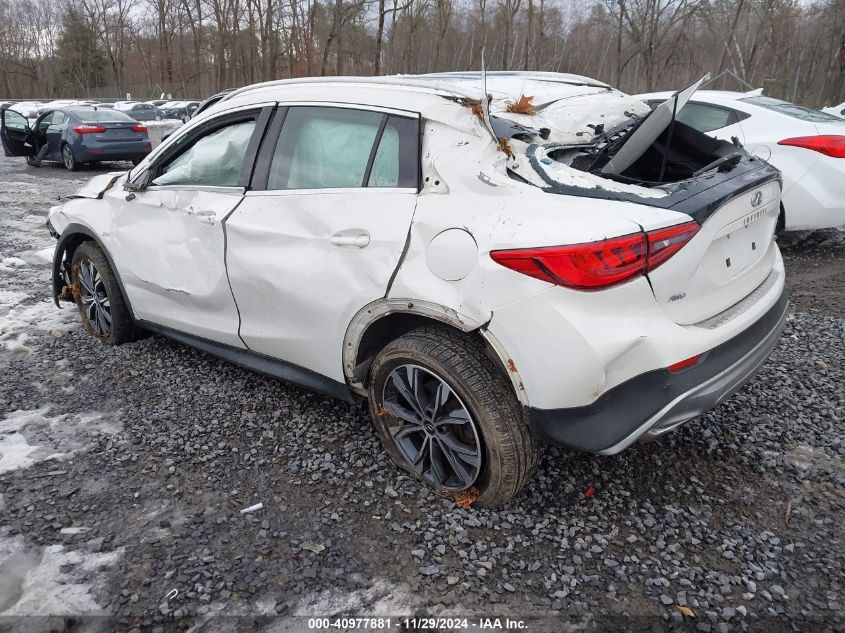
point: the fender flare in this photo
(380, 308)
(61, 267)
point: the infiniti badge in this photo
(757, 198)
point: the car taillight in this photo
(600, 264)
(89, 129)
(827, 144)
(663, 243)
(139, 128)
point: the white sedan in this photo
(808, 147)
(491, 273)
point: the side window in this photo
(395, 162)
(705, 118)
(58, 118)
(325, 147)
(214, 159)
(14, 120)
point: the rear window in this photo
(90, 115)
(790, 109)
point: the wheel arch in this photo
(384, 320)
(73, 235)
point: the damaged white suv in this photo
(550, 263)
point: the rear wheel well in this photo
(390, 327)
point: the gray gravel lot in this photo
(736, 517)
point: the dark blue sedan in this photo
(74, 135)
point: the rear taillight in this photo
(139, 128)
(598, 264)
(829, 144)
(89, 129)
(663, 243)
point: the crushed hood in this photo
(98, 185)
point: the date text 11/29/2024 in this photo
(415, 624)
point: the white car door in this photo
(168, 239)
(323, 229)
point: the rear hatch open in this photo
(657, 161)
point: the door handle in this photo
(358, 240)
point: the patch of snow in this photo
(9, 298)
(20, 322)
(52, 581)
(13, 261)
(30, 436)
(15, 453)
(380, 599)
(46, 254)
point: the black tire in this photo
(68, 159)
(120, 329)
(509, 452)
(136, 161)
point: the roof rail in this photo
(426, 82)
(388, 80)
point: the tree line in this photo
(793, 49)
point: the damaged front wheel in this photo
(98, 297)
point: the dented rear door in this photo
(323, 231)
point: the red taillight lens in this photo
(598, 264)
(139, 128)
(689, 362)
(586, 266)
(829, 145)
(89, 129)
(663, 243)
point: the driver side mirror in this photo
(138, 184)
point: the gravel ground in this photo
(124, 473)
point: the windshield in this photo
(790, 109)
(90, 115)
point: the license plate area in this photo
(740, 245)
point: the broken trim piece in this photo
(699, 197)
(372, 312)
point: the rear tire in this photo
(480, 410)
(136, 161)
(781, 224)
(104, 312)
(69, 160)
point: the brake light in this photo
(828, 144)
(601, 264)
(139, 128)
(663, 243)
(89, 129)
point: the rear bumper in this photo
(114, 151)
(657, 401)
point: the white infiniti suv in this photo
(551, 263)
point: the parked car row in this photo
(74, 135)
(139, 110)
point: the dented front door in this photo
(168, 244)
